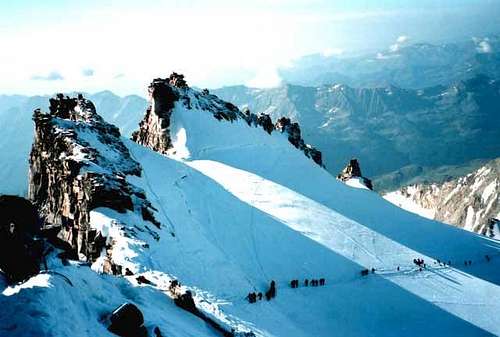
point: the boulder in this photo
(127, 321)
(20, 250)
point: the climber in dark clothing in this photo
(271, 293)
(306, 283)
(364, 272)
(321, 281)
(252, 298)
(259, 295)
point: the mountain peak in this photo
(173, 94)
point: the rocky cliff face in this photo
(471, 202)
(165, 94)
(79, 163)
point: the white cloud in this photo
(267, 77)
(483, 46)
(400, 41)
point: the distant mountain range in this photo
(415, 113)
(413, 66)
(397, 134)
(388, 128)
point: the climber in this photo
(364, 272)
(252, 298)
(321, 281)
(306, 282)
(487, 258)
(259, 295)
(271, 293)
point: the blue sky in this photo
(56, 45)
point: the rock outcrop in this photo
(20, 251)
(164, 94)
(471, 202)
(353, 171)
(127, 321)
(78, 163)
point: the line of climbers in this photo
(312, 283)
(420, 263)
(269, 294)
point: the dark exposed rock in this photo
(352, 170)
(164, 94)
(265, 121)
(20, 253)
(78, 163)
(154, 128)
(141, 279)
(185, 301)
(127, 321)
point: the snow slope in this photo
(240, 208)
(270, 213)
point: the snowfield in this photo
(240, 208)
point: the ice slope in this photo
(267, 212)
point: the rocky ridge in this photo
(470, 202)
(79, 163)
(164, 94)
(453, 124)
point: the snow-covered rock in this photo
(353, 177)
(166, 95)
(471, 202)
(79, 163)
